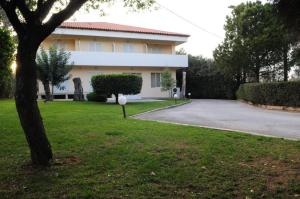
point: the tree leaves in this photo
(53, 65)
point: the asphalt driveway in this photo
(231, 115)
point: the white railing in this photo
(85, 58)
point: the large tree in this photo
(256, 41)
(290, 12)
(33, 21)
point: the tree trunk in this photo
(285, 65)
(47, 91)
(26, 102)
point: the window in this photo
(155, 80)
(128, 48)
(155, 49)
(60, 45)
(95, 46)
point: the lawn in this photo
(98, 154)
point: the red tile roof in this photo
(116, 27)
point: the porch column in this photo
(183, 89)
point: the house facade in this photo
(105, 48)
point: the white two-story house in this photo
(106, 48)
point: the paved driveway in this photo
(232, 115)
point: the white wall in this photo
(86, 73)
(128, 59)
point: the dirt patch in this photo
(278, 173)
(66, 160)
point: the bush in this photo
(116, 84)
(93, 97)
(279, 93)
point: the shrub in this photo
(93, 97)
(116, 84)
(279, 93)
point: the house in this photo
(106, 48)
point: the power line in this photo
(189, 21)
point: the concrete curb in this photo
(163, 108)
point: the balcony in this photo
(85, 58)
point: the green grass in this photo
(98, 154)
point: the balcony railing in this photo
(83, 58)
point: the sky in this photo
(182, 16)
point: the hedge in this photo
(210, 87)
(116, 84)
(93, 97)
(279, 93)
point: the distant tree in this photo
(231, 59)
(296, 58)
(181, 51)
(290, 12)
(7, 50)
(53, 67)
(205, 80)
(256, 40)
(167, 81)
(33, 22)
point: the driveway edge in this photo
(163, 108)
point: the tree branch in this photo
(27, 14)
(43, 8)
(10, 10)
(61, 16)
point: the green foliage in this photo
(53, 66)
(167, 81)
(94, 97)
(289, 11)
(7, 49)
(277, 93)
(204, 80)
(116, 84)
(256, 43)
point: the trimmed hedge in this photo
(279, 93)
(116, 84)
(93, 97)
